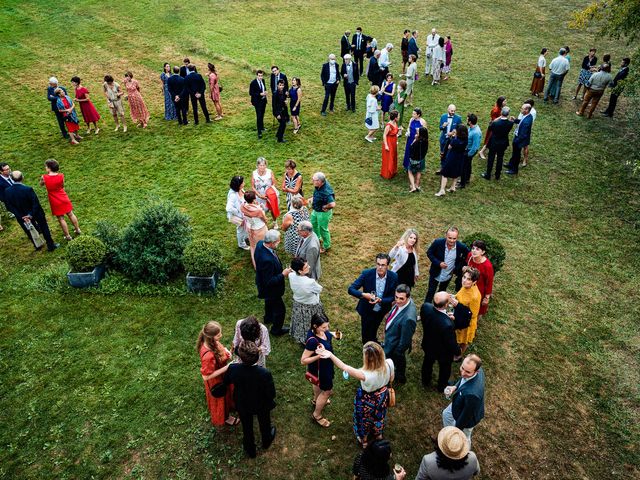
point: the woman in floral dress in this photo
(138, 110)
(169, 106)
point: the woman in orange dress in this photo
(58, 198)
(390, 147)
(537, 84)
(214, 90)
(495, 113)
(215, 360)
(138, 110)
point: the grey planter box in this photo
(201, 284)
(86, 279)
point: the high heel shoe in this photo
(78, 232)
(68, 238)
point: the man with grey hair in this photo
(330, 77)
(373, 72)
(323, 202)
(558, 67)
(384, 62)
(498, 142)
(350, 76)
(432, 42)
(53, 98)
(309, 249)
(270, 281)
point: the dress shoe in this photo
(279, 333)
(282, 140)
(486, 176)
(510, 172)
(53, 247)
(271, 438)
(324, 114)
(260, 135)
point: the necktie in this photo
(261, 86)
(391, 315)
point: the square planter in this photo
(201, 284)
(86, 279)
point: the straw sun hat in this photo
(453, 443)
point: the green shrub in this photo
(84, 253)
(202, 258)
(495, 251)
(111, 236)
(152, 245)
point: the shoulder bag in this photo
(310, 377)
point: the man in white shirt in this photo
(384, 61)
(558, 67)
(432, 41)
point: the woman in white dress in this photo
(263, 182)
(235, 199)
(438, 60)
(372, 121)
(410, 77)
(256, 222)
(306, 299)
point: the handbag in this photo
(219, 390)
(310, 377)
(38, 241)
(537, 74)
(220, 88)
(462, 316)
(368, 121)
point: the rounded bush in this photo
(202, 258)
(111, 236)
(84, 253)
(495, 251)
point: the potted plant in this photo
(204, 264)
(85, 255)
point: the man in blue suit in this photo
(521, 138)
(447, 256)
(270, 281)
(467, 397)
(448, 123)
(399, 327)
(375, 288)
(175, 84)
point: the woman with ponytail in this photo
(215, 360)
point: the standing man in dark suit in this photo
(350, 78)
(309, 249)
(5, 182)
(187, 68)
(53, 98)
(616, 88)
(399, 327)
(413, 44)
(254, 393)
(270, 281)
(448, 123)
(330, 79)
(375, 288)
(373, 74)
(438, 340)
(447, 256)
(359, 48)
(467, 397)
(258, 94)
(194, 87)
(281, 110)
(345, 44)
(498, 142)
(23, 202)
(521, 138)
(276, 76)
(175, 84)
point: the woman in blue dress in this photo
(169, 106)
(416, 122)
(388, 93)
(295, 96)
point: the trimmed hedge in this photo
(84, 253)
(202, 258)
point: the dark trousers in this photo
(182, 107)
(329, 92)
(436, 286)
(613, 102)
(260, 108)
(493, 153)
(248, 439)
(282, 125)
(400, 363)
(274, 312)
(40, 222)
(516, 155)
(466, 170)
(359, 59)
(444, 370)
(63, 128)
(350, 95)
(369, 325)
(203, 105)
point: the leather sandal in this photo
(323, 422)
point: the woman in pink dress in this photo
(58, 199)
(89, 112)
(448, 53)
(139, 112)
(214, 90)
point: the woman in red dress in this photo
(89, 112)
(477, 258)
(65, 106)
(215, 361)
(58, 199)
(390, 147)
(495, 113)
(214, 90)
(137, 108)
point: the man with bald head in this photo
(448, 123)
(330, 76)
(438, 340)
(521, 138)
(432, 42)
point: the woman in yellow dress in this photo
(470, 297)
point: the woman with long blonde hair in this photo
(215, 360)
(404, 258)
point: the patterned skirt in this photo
(369, 413)
(584, 77)
(301, 314)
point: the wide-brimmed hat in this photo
(453, 443)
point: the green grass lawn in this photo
(106, 384)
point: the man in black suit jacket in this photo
(350, 78)
(447, 256)
(345, 44)
(187, 68)
(373, 74)
(616, 88)
(330, 77)
(359, 47)
(438, 340)
(375, 290)
(53, 98)
(258, 93)
(467, 397)
(194, 87)
(276, 76)
(23, 202)
(270, 281)
(498, 142)
(254, 393)
(175, 84)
